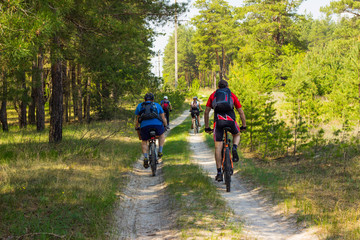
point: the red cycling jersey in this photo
(225, 115)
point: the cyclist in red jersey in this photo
(222, 120)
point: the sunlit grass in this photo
(67, 189)
(318, 191)
(321, 189)
(201, 212)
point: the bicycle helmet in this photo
(165, 97)
(149, 97)
(195, 97)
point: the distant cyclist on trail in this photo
(223, 101)
(150, 115)
(195, 109)
(166, 106)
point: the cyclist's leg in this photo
(236, 134)
(145, 136)
(218, 156)
(160, 131)
(161, 140)
(144, 147)
(218, 138)
(235, 131)
(198, 117)
(192, 119)
(236, 138)
(167, 113)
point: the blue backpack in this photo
(223, 101)
(148, 111)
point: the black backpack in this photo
(148, 111)
(223, 101)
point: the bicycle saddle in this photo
(227, 128)
(152, 132)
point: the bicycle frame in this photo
(227, 163)
(226, 144)
(152, 151)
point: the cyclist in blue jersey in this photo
(150, 115)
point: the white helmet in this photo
(165, 97)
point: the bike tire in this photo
(153, 158)
(227, 170)
(195, 126)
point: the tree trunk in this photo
(296, 127)
(219, 63)
(98, 98)
(223, 63)
(3, 113)
(32, 106)
(56, 100)
(66, 90)
(79, 93)
(251, 126)
(23, 105)
(40, 108)
(214, 78)
(88, 100)
(74, 89)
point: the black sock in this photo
(235, 146)
(219, 170)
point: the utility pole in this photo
(159, 53)
(176, 63)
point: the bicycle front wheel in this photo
(227, 169)
(153, 158)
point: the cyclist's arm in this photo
(242, 116)
(137, 121)
(162, 115)
(207, 116)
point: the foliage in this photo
(187, 66)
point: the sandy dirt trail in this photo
(143, 211)
(261, 221)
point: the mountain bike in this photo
(152, 151)
(226, 163)
(196, 124)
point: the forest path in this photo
(261, 220)
(143, 211)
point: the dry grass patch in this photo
(67, 189)
(321, 190)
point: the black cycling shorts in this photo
(145, 131)
(195, 112)
(219, 126)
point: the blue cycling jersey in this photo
(150, 122)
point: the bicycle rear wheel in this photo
(196, 127)
(153, 158)
(227, 169)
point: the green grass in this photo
(321, 190)
(67, 189)
(201, 212)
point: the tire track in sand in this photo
(143, 212)
(261, 221)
